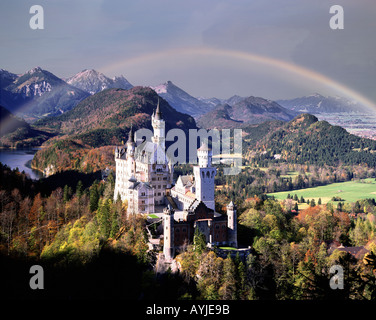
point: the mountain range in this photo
(316, 104)
(38, 93)
(242, 112)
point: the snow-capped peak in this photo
(34, 70)
(93, 81)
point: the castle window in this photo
(203, 174)
(208, 174)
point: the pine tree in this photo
(79, 189)
(228, 289)
(94, 197)
(199, 241)
(115, 225)
(67, 192)
(103, 217)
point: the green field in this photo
(349, 191)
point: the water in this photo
(21, 159)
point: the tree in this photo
(79, 189)
(94, 197)
(67, 193)
(227, 291)
(115, 224)
(103, 217)
(199, 241)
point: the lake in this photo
(21, 159)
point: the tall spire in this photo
(131, 135)
(158, 113)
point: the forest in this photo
(77, 231)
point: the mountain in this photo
(37, 93)
(6, 78)
(317, 103)
(115, 109)
(181, 100)
(243, 112)
(93, 81)
(101, 121)
(213, 102)
(305, 139)
(16, 133)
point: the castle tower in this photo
(131, 147)
(168, 233)
(232, 225)
(159, 127)
(204, 177)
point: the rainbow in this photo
(247, 57)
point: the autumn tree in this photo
(227, 291)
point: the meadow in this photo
(349, 191)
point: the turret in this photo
(204, 177)
(131, 144)
(168, 233)
(232, 234)
(159, 127)
(204, 156)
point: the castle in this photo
(144, 178)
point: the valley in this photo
(362, 125)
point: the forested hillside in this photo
(87, 134)
(306, 140)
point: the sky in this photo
(209, 48)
